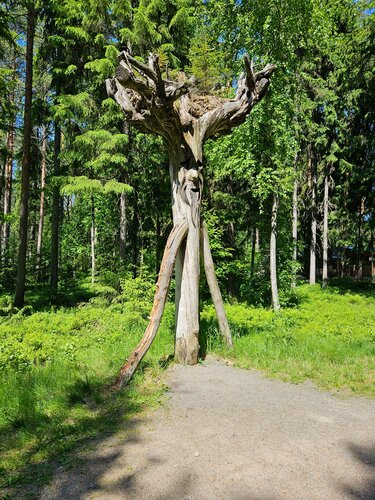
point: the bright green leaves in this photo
(84, 185)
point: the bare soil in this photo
(227, 433)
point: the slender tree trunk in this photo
(26, 159)
(313, 187)
(325, 229)
(257, 240)
(372, 257)
(41, 207)
(177, 235)
(123, 228)
(8, 177)
(295, 221)
(361, 212)
(55, 222)
(253, 250)
(93, 239)
(214, 288)
(273, 260)
(134, 239)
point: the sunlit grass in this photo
(328, 338)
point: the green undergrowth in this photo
(56, 368)
(328, 337)
(58, 362)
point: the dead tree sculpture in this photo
(185, 119)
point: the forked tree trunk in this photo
(41, 207)
(325, 229)
(167, 108)
(273, 264)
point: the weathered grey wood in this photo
(214, 288)
(149, 104)
(273, 266)
(175, 239)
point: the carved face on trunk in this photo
(191, 184)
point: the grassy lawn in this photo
(56, 365)
(328, 337)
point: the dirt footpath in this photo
(228, 433)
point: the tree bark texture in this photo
(41, 206)
(313, 187)
(123, 228)
(8, 177)
(273, 246)
(214, 288)
(175, 239)
(55, 222)
(93, 239)
(295, 218)
(174, 111)
(325, 229)
(26, 159)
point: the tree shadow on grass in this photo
(43, 445)
(365, 456)
(348, 285)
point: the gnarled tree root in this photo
(214, 287)
(175, 239)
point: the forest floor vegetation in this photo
(57, 363)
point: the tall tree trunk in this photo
(361, 212)
(41, 206)
(134, 239)
(214, 288)
(55, 222)
(123, 229)
(325, 229)
(8, 177)
(186, 192)
(273, 260)
(93, 239)
(253, 250)
(295, 221)
(313, 187)
(26, 159)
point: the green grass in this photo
(329, 338)
(56, 365)
(56, 368)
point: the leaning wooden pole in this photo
(175, 239)
(214, 288)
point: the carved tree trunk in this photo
(186, 183)
(149, 104)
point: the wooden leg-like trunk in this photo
(175, 239)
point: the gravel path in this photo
(228, 433)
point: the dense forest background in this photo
(83, 197)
